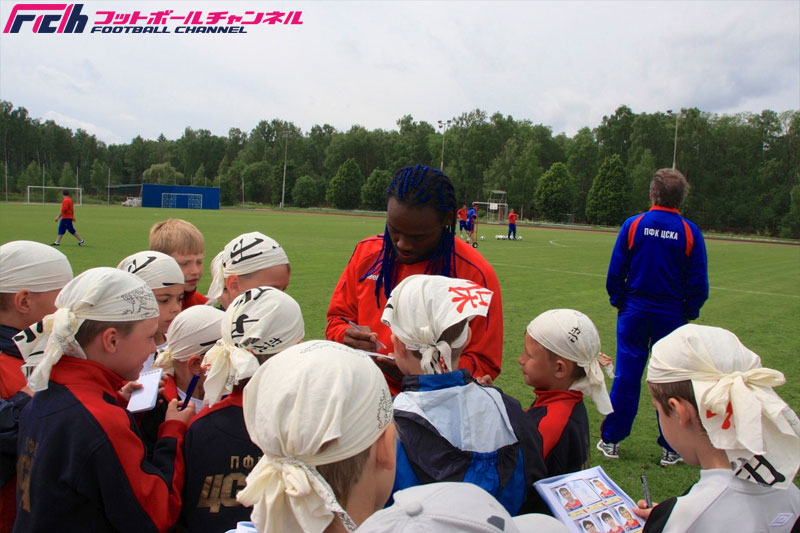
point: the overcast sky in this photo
(563, 64)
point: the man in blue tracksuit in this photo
(658, 279)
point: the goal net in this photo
(47, 194)
(185, 200)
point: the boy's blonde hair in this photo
(176, 235)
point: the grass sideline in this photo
(755, 291)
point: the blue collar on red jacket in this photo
(7, 344)
(428, 382)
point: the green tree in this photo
(641, 176)
(308, 191)
(554, 193)
(31, 176)
(67, 178)
(607, 203)
(224, 165)
(163, 173)
(791, 222)
(373, 193)
(582, 156)
(98, 177)
(199, 178)
(344, 189)
(257, 178)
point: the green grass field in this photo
(755, 291)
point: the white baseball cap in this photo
(453, 507)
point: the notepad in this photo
(145, 398)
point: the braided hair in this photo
(418, 186)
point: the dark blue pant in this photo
(637, 331)
(66, 225)
(512, 228)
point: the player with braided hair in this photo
(418, 238)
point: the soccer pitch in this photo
(755, 291)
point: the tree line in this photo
(744, 169)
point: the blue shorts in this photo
(462, 225)
(65, 225)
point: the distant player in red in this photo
(462, 219)
(67, 216)
(512, 224)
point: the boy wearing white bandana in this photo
(192, 333)
(81, 465)
(31, 275)
(219, 454)
(321, 414)
(562, 362)
(248, 261)
(717, 409)
(165, 278)
(450, 427)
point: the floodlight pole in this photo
(108, 188)
(285, 135)
(443, 125)
(675, 145)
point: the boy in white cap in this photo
(562, 362)
(192, 333)
(454, 508)
(257, 324)
(321, 413)
(250, 260)
(80, 464)
(451, 428)
(717, 409)
(31, 275)
(165, 278)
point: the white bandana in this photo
(572, 335)
(736, 404)
(261, 321)
(33, 266)
(193, 332)
(313, 404)
(103, 294)
(249, 252)
(157, 269)
(422, 307)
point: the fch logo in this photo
(47, 18)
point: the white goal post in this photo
(44, 196)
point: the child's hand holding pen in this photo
(644, 507)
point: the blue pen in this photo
(359, 328)
(190, 390)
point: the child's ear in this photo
(400, 351)
(109, 339)
(195, 365)
(22, 302)
(232, 284)
(685, 412)
(561, 369)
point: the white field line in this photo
(603, 275)
(554, 243)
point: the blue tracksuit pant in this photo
(637, 331)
